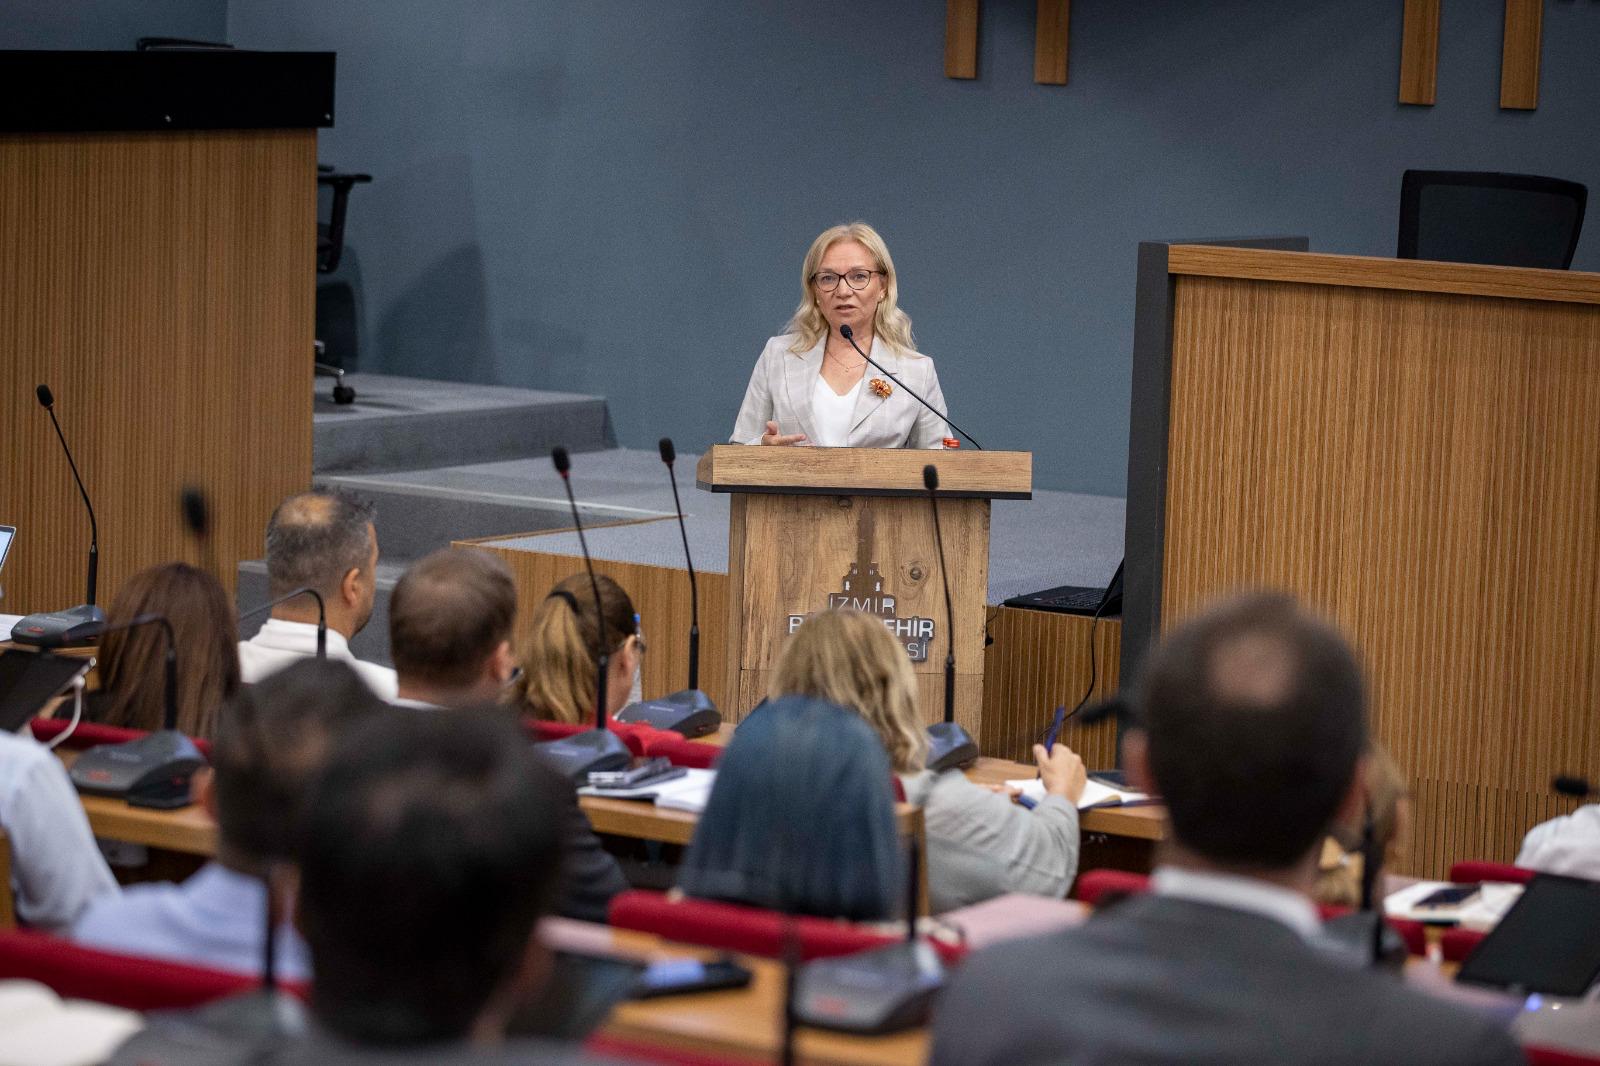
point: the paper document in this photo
(1095, 794)
(1482, 912)
(6, 622)
(686, 793)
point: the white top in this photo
(1567, 845)
(831, 412)
(56, 870)
(280, 643)
(1241, 894)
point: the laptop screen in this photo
(6, 533)
(1549, 941)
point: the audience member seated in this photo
(324, 540)
(431, 851)
(271, 742)
(133, 662)
(56, 869)
(1251, 724)
(801, 818)
(980, 843)
(450, 618)
(1339, 867)
(559, 673)
(1569, 844)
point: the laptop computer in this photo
(1076, 599)
(1548, 942)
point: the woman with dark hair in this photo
(801, 818)
(558, 660)
(133, 671)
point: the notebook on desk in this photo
(1095, 793)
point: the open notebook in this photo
(1095, 794)
(687, 793)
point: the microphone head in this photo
(668, 452)
(1572, 786)
(563, 461)
(46, 397)
(845, 331)
(930, 477)
(196, 515)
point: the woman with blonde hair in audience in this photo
(133, 662)
(1389, 802)
(980, 844)
(559, 662)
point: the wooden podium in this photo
(813, 528)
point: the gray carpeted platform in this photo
(1057, 538)
(405, 423)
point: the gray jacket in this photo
(1156, 980)
(981, 845)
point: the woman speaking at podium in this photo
(811, 386)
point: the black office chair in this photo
(1464, 216)
(330, 249)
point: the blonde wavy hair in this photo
(559, 666)
(889, 323)
(849, 659)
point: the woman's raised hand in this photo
(772, 436)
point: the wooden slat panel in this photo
(1423, 468)
(163, 286)
(8, 903)
(1051, 38)
(1419, 52)
(961, 38)
(1519, 54)
(1039, 660)
(1373, 272)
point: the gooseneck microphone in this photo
(689, 712)
(57, 629)
(599, 748)
(949, 746)
(322, 614)
(197, 517)
(849, 334)
(1576, 787)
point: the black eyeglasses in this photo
(827, 280)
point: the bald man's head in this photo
(1255, 718)
(315, 538)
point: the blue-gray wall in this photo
(108, 24)
(613, 197)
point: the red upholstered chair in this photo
(88, 734)
(1472, 872)
(680, 752)
(751, 930)
(1542, 1056)
(543, 731)
(621, 1050)
(76, 972)
(1095, 887)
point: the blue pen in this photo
(1055, 729)
(1026, 802)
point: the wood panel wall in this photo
(1424, 467)
(1038, 661)
(163, 285)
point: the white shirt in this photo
(214, 919)
(56, 870)
(1241, 894)
(281, 643)
(1567, 845)
(831, 413)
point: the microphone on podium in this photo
(599, 748)
(77, 625)
(690, 711)
(949, 746)
(849, 334)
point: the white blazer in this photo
(780, 391)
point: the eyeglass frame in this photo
(845, 277)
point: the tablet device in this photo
(31, 679)
(1548, 942)
(7, 533)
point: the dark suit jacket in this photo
(1156, 980)
(591, 874)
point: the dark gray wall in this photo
(107, 24)
(614, 197)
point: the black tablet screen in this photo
(1548, 942)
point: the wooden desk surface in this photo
(1145, 822)
(188, 829)
(643, 820)
(743, 1022)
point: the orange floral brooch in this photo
(880, 388)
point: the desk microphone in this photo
(599, 748)
(689, 712)
(1576, 787)
(849, 334)
(949, 746)
(155, 770)
(322, 614)
(72, 627)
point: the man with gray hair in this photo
(323, 539)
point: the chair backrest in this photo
(90, 734)
(1472, 871)
(751, 930)
(1464, 216)
(76, 972)
(642, 741)
(333, 188)
(1095, 887)
(1547, 1056)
